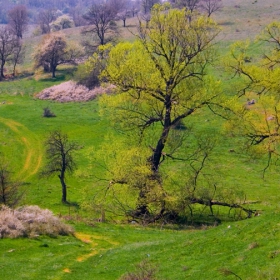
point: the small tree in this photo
(53, 51)
(10, 193)
(9, 44)
(210, 6)
(77, 15)
(59, 153)
(123, 15)
(18, 20)
(17, 56)
(44, 20)
(62, 22)
(190, 5)
(100, 19)
(147, 5)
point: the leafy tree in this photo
(88, 73)
(162, 78)
(18, 20)
(258, 85)
(53, 51)
(59, 153)
(62, 22)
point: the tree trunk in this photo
(53, 72)
(102, 40)
(124, 22)
(46, 67)
(64, 188)
(155, 160)
(157, 154)
(2, 70)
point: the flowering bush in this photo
(70, 91)
(30, 221)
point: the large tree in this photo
(18, 20)
(53, 51)
(60, 161)
(163, 81)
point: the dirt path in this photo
(93, 241)
(33, 150)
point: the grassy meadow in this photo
(244, 249)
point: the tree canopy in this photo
(258, 84)
(53, 51)
(163, 79)
(18, 20)
(59, 153)
(10, 48)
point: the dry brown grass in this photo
(70, 91)
(30, 221)
(243, 19)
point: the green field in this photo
(233, 249)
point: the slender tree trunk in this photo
(2, 70)
(3, 187)
(102, 39)
(64, 188)
(53, 71)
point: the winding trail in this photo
(95, 249)
(33, 150)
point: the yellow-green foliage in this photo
(162, 78)
(259, 82)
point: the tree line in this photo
(98, 21)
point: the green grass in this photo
(21, 117)
(248, 248)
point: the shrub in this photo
(30, 221)
(10, 225)
(11, 191)
(47, 113)
(70, 91)
(87, 79)
(144, 271)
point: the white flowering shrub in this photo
(30, 221)
(70, 91)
